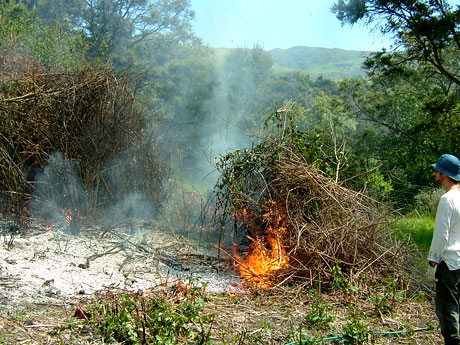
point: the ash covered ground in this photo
(38, 265)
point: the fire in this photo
(46, 227)
(266, 253)
(68, 216)
(261, 262)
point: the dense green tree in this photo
(426, 32)
(295, 85)
(50, 11)
(404, 125)
(299, 87)
(411, 101)
(183, 89)
(24, 41)
(14, 21)
(243, 76)
(113, 25)
(327, 120)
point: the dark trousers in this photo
(447, 302)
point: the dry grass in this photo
(273, 317)
(276, 318)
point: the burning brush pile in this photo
(290, 223)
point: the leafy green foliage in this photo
(399, 132)
(236, 165)
(25, 41)
(243, 75)
(393, 292)
(134, 318)
(108, 25)
(428, 30)
(355, 330)
(411, 100)
(14, 21)
(321, 315)
(341, 281)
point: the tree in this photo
(426, 32)
(52, 11)
(404, 125)
(109, 24)
(411, 101)
(14, 21)
(25, 42)
(242, 76)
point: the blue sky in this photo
(278, 24)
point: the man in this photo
(445, 248)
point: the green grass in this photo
(418, 227)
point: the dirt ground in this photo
(270, 318)
(45, 274)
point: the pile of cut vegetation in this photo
(296, 224)
(89, 120)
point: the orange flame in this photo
(260, 263)
(266, 254)
(46, 227)
(68, 216)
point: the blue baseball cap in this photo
(449, 165)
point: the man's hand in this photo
(431, 272)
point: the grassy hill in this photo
(331, 63)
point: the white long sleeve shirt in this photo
(445, 245)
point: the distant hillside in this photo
(331, 63)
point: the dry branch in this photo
(272, 191)
(90, 118)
